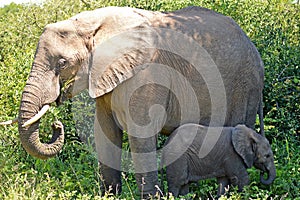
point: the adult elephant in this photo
(149, 72)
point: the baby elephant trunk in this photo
(271, 176)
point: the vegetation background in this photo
(273, 26)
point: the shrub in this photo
(272, 25)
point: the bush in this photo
(272, 25)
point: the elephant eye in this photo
(62, 63)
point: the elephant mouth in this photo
(65, 91)
(65, 94)
(271, 174)
(264, 169)
(261, 167)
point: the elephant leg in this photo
(223, 183)
(108, 139)
(184, 190)
(143, 151)
(243, 180)
(244, 108)
(173, 189)
(253, 102)
(177, 174)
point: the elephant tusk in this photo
(9, 122)
(37, 116)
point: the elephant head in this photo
(254, 150)
(81, 52)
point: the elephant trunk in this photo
(31, 104)
(271, 172)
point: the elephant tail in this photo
(261, 116)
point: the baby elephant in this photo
(194, 152)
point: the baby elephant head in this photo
(254, 150)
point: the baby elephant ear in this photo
(243, 143)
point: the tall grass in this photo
(272, 25)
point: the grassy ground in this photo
(272, 25)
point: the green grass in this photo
(272, 25)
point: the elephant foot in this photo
(111, 189)
(111, 180)
(151, 195)
(148, 185)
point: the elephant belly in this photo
(152, 100)
(209, 167)
(158, 98)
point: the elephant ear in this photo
(244, 143)
(120, 40)
(118, 59)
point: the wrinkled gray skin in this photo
(237, 148)
(68, 50)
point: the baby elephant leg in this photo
(174, 190)
(242, 181)
(177, 176)
(223, 184)
(184, 190)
